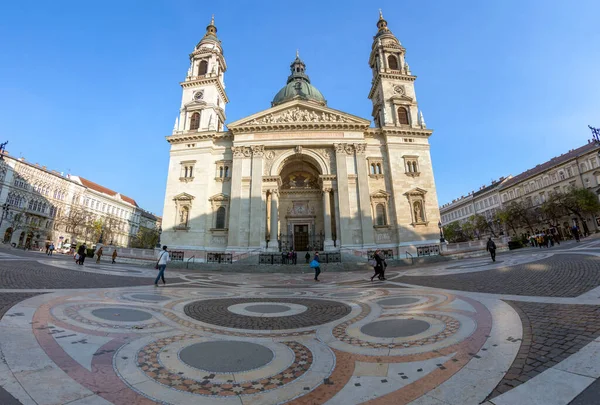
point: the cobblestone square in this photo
(457, 332)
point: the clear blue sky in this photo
(91, 88)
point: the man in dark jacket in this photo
(82, 251)
(491, 247)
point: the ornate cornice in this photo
(188, 136)
(206, 80)
(389, 75)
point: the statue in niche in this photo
(418, 208)
(183, 216)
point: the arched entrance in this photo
(302, 207)
(8, 235)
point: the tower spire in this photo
(211, 29)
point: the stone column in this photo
(345, 233)
(366, 218)
(256, 202)
(235, 204)
(273, 246)
(337, 217)
(328, 242)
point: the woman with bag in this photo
(161, 265)
(82, 251)
(379, 265)
(315, 264)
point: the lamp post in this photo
(158, 242)
(101, 235)
(5, 209)
(442, 240)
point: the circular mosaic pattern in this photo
(395, 328)
(148, 362)
(150, 297)
(121, 314)
(226, 356)
(215, 312)
(399, 301)
(267, 309)
(347, 294)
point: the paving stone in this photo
(550, 324)
(557, 276)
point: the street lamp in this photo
(442, 240)
(158, 242)
(101, 235)
(5, 209)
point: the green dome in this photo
(298, 87)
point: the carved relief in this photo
(270, 155)
(298, 149)
(258, 150)
(238, 151)
(218, 240)
(339, 147)
(360, 147)
(298, 114)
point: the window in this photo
(561, 175)
(403, 116)
(411, 165)
(569, 172)
(583, 167)
(392, 62)
(202, 68)
(195, 121)
(220, 224)
(380, 218)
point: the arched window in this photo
(202, 68)
(380, 215)
(195, 121)
(186, 172)
(190, 171)
(403, 116)
(373, 168)
(221, 171)
(220, 218)
(226, 171)
(392, 62)
(414, 165)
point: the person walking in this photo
(99, 254)
(114, 256)
(161, 265)
(82, 251)
(307, 257)
(294, 257)
(315, 264)
(50, 249)
(491, 247)
(379, 265)
(575, 232)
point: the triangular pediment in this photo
(380, 194)
(219, 197)
(183, 197)
(416, 191)
(298, 113)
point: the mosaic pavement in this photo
(258, 339)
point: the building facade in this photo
(300, 175)
(578, 168)
(42, 206)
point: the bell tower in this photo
(204, 98)
(392, 90)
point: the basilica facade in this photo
(300, 175)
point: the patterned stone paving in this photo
(551, 333)
(334, 344)
(557, 276)
(215, 312)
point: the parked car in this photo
(65, 249)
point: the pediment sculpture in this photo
(298, 114)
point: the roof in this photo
(491, 186)
(101, 189)
(298, 86)
(570, 155)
